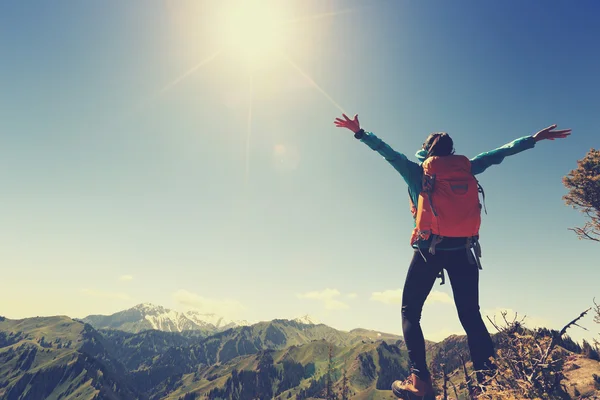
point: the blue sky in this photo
(126, 180)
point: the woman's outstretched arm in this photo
(410, 170)
(484, 160)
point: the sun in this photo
(260, 34)
(253, 30)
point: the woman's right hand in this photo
(348, 123)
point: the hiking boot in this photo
(412, 387)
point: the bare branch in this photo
(582, 233)
(503, 313)
(454, 388)
(556, 338)
(564, 329)
(467, 377)
(493, 323)
(582, 327)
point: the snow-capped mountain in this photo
(307, 320)
(148, 316)
(218, 322)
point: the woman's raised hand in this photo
(348, 123)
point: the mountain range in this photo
(58, 357)
(62, 358)
(147, 316)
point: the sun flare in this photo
(253, 30)
(254, 40)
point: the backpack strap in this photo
(413, 207)
(421, 252)
(477, 251)
(440, 274)
(473, 248)
(480, 190)
(435, 239)
(428, 184)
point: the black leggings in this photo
(464, 279)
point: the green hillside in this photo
(56, 357)
(300, 372)
(60, 358)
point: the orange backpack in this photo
(449, 200)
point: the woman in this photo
(449, 254)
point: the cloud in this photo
(327, 297)
(439, 297)
(388, 296)
(125, 278)
(352, 295)
(228, 308)
(395, 297)
(495, 315)
(105, 295)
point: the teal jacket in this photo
(412, 172)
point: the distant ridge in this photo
(148, 316)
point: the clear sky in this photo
(183, 153)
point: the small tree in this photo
(589, 351)
(330, 394)
(584, 194)
(345, 390)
